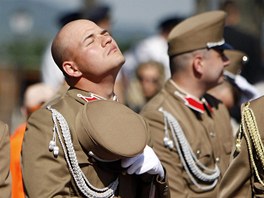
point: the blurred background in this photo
(27, 27)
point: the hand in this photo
(146, 162)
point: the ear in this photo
(71, 69)
(198, 65)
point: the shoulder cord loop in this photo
(249, 125)
(82, 182)
(191, 164)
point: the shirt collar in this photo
(199, 105)
(195, 104)
(90, 97)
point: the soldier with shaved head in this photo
(85, 143)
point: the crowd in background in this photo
(143, 51)
(145, 72)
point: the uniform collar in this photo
(90, 97)
(194, 103)
(84, 96)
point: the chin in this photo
(221, 79)
(122, 61)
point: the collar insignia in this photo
(93, 97)
(195, 104)
(90, 98)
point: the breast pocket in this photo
(204, 156)
(203, 153)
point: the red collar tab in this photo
(91, 97)
(195, 104)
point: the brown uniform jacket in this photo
(209, 134)
(47, 176)
(5, 175)
(240, 179)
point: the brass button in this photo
(212, 134)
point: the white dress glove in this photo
(146, 162)
(250, 92)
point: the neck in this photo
(190, 87)
(103, 88)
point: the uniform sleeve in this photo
(169, 158)
(236, 180)
(5, 175)
(44, 175)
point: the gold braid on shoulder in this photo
(253, 139)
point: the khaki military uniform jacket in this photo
(240, 179)
(208, 133)
(5, 175)
(45, 175)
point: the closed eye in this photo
(88, 39)
(91, 37)
(105, 33)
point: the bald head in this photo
(66, 41)
(86, 52)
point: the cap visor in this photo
(223, 47)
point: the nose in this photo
(226, 60)
(106, 39)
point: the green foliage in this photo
(25, 54)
